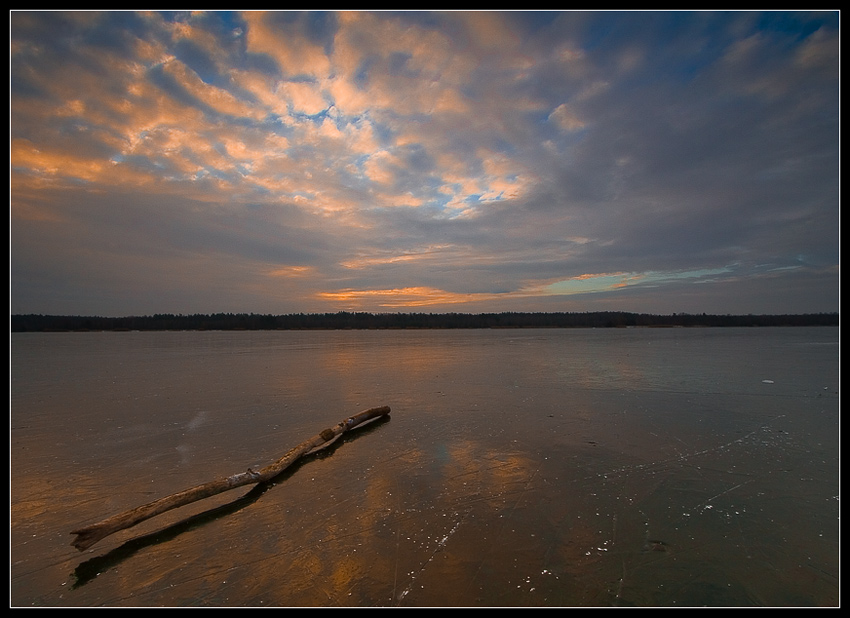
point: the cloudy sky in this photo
(423, 162)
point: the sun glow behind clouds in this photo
(402, 298)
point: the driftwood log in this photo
(89, 535)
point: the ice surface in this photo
(646, 467)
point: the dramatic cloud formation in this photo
(402, 161)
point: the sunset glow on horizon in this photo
(279, 162)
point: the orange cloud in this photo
(264, 90)
(489, 31)
(434, 68)
(305, 97)
(288, 272)
(411, 256)
(54, 163)
(216, 98)
(595, 276)
(294, 53)
(396, 298)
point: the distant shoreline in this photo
(344, 320)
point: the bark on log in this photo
(89, 535)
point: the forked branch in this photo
(89, 535)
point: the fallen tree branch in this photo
(89, 535)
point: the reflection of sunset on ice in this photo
(532, 467)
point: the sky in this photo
(470, 162)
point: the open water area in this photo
(518, 468)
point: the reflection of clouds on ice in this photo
(197, 421)
(184, 450)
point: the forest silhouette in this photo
(344, 320)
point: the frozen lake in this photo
(643, 467)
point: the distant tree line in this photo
(356, 320)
